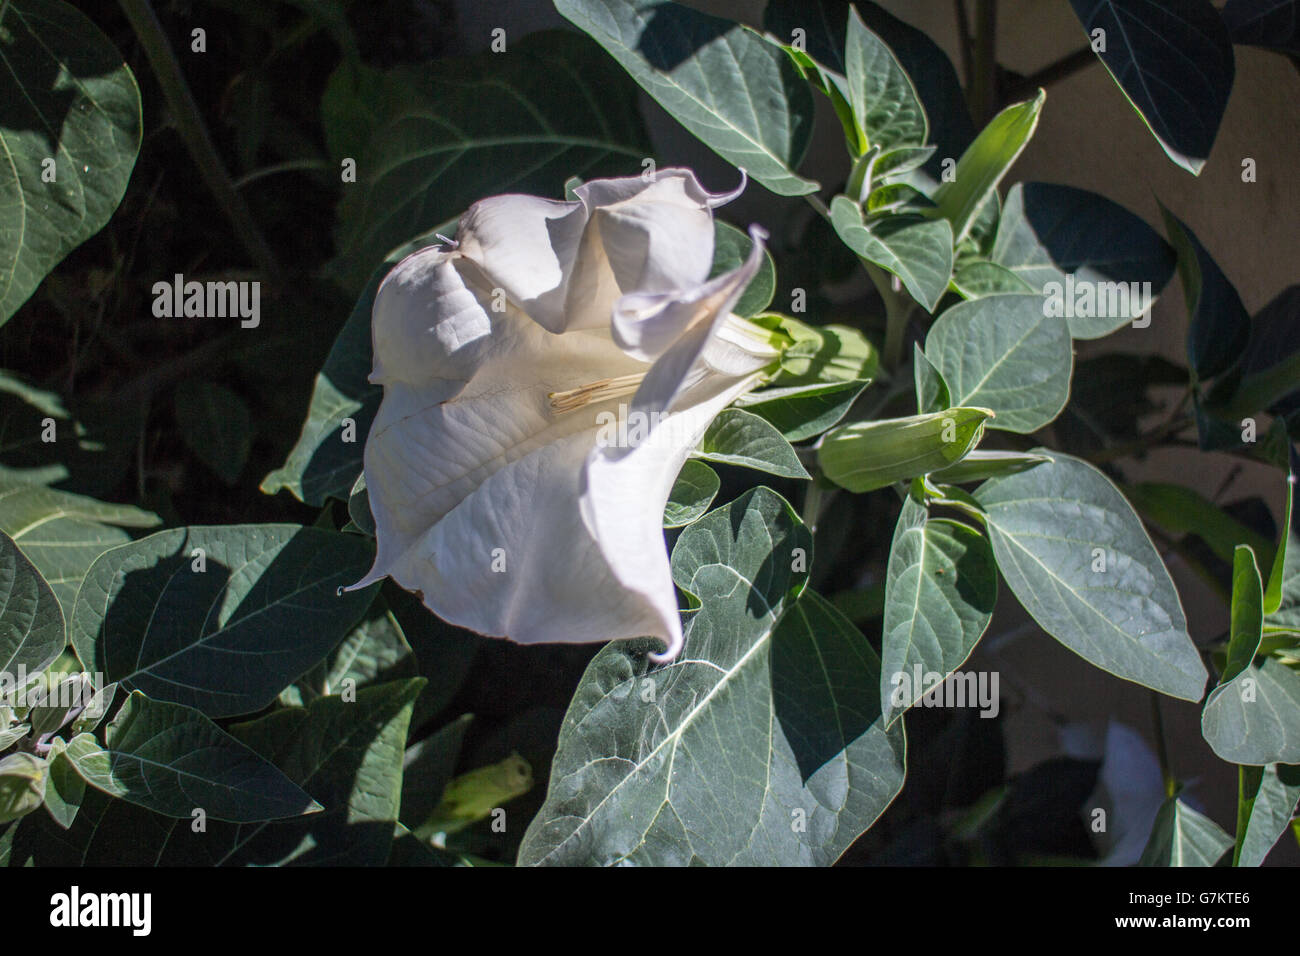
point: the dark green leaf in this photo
(803, 411)
(69, 131)
(731, 248)
(1048, 231)
(216, 424)
(171, 759)
(219, 618)
(32, 633)
(1183, 837)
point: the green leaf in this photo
(742, 96)
(694, 490)
(427, 768)
(1048, 231)
(70, 99)
(172, 760)
(779, 689)
(32, 633)
(978, 278)
(1270, 366)
(348, 755)
(87, 449)
(884, 101)
(803, 411)
(917, 250)
(1078, 559)
(458, 129)
(1183, 837)
(738, 437)
(216, 425)
(825, 353)
(219, 618)
(940, 588)
(65, 789)
(1282, 597)
(932, 392)
(1266, 801)
(1178, 510)
(374, 652)
(731, 247)
(864, 456)
(985, 162)
(359, 506)
(1004, 353)
(22, 785)
(62, 534)
(1174, 64)
(1253, 716)
(1219, 326)
(979, 465)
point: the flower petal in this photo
(623, 497)
(466, 393)
(682, 334)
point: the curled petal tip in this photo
(721, 199)
(668, 655)
(758, 233)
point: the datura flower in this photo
(545, 377)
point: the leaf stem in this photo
(812, 505)
(193, 132)
(1162, 748)
(983, 91)
(1053, 73)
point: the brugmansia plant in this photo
(574, 406)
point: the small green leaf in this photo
(985, 162)
(1080, 562)
(824, 354)
(731, 247)
(742, 96)
(1253, 716)
(738, 437)
(1177, 509)
(864, 456)
(1005, 353)
(23, 779)
(978, 277)
(916, 249)
(940, 588)
(1282, 598)
(932, 392)
(884, 101)
(1183, 837)
(1219, 326)
(1266, 800)
(65, 788)
(694, 490)
(171, 759)
(32, 632)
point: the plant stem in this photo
(1162, 748)
(898, 309)
(964, 42)
(812, 505)
(983, 91)
(1053, 73)
(193, 132)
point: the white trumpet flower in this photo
(497, 490)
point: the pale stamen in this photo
(597, 391)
